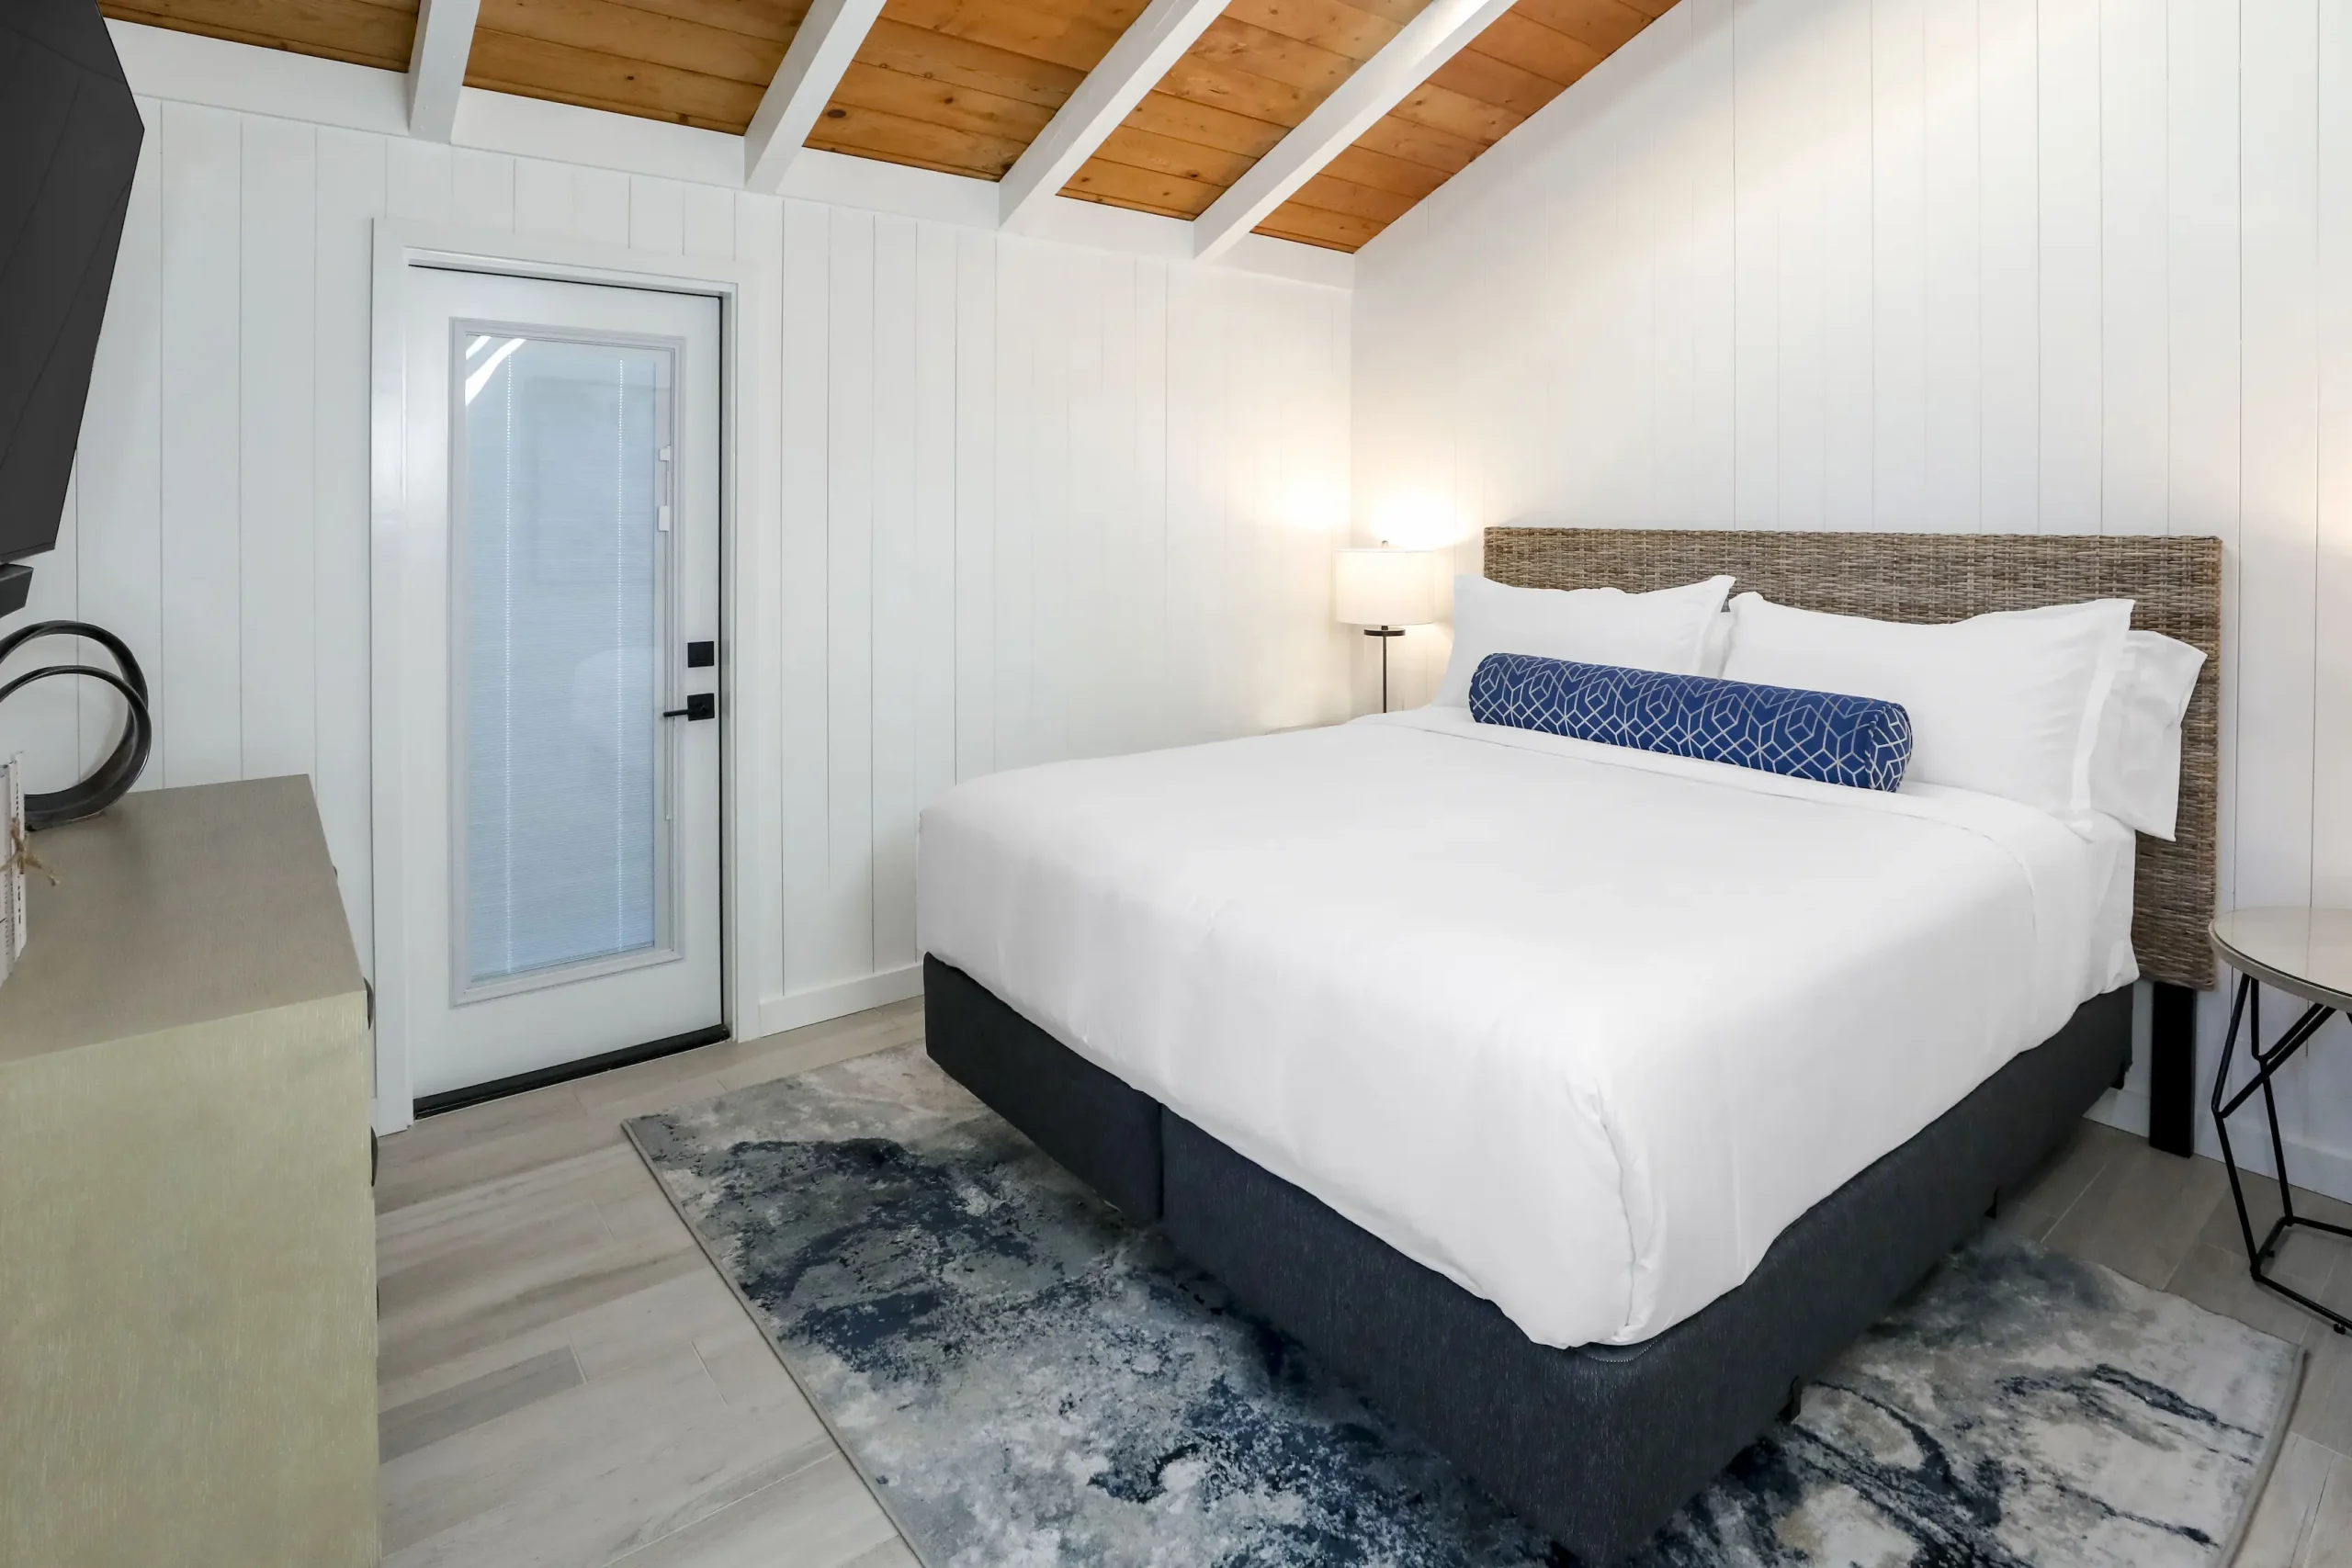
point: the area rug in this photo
(1024, 1378)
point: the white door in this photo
(562, 748)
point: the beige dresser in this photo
(188, 1328)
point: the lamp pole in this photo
(1383, 633)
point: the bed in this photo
(1577, 1103)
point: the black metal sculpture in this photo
(111, 779)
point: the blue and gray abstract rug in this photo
(1025, 1379)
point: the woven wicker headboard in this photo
(2177, 584)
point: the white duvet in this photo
(1581, 1028)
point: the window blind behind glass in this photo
(561, 577)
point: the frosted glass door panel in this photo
(563, 753)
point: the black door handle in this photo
(702, 704)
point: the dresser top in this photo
(2305, 953)
(177, 907)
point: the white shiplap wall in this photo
(1037, 500)
(2057, 265)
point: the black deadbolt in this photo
(701, 655)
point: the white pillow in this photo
(1665, 630)
(1717, 648)
(2006, 704)
(2135, 767)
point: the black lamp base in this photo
(1383, 633)
(16, 587)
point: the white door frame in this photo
(751, 859)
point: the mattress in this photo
(1581, 1029)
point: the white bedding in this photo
(1581, 1028)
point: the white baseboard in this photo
(2125, 1109)
(2318, 1167)
(776, 1015)
(837, 1000)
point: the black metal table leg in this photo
(2246, 1009)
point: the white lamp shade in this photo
(1385, 588)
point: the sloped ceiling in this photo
(966, 85)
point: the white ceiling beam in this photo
(437, 66)
(1152, 44)
(821, 52)
(1377, 85)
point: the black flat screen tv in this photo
(69, 146)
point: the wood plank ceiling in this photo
(964, 85)
(358, 32)
(699, 63)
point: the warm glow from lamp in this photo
(1417, 520)
(1385, 588)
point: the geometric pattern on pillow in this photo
(1864, 742)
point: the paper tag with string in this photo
(17, 861)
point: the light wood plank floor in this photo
(565, 1381)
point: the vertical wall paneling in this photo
(756, 225)
(2135, 475)
(804, 439)
(482, 189)
(1102, 523)
(1667, 209)
(1249, 415)
(1146, 600)
(1952, 154)
(544, 200)
(2331, 763)
(1760, 131)
(600, 206)
(1060, 316)
(2024, 264)
(848, 601)
(1842, 160)
(975, 502)
(2067, 70)
(2278, 501)
(351, 196)
(419, 181)
(933, 636)
(1197, 369)
(2203, 218)
(2330, 1071)
(657, 215)
(1713, 266)
(890, 587)
(1899, 263)
(709, 222)
(277, 593)
(2009, 191)
(1756, 266)
(199, 739)
(1016, 421)
(965, 493)
(118, 488)
(1192, 633)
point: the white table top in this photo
(2305, 953)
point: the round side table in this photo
(2308, 954)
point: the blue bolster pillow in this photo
(1861, 741)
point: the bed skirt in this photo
(1596, 1446)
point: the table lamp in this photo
(1384, 592)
